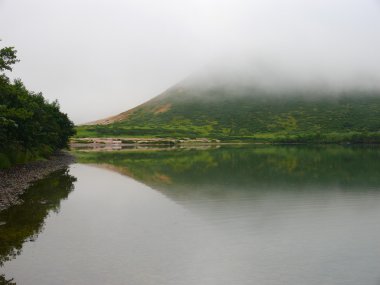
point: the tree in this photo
(29, 124)
(7, 58)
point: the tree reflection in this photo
(25, 222)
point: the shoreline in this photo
(15, 180)
(121, 142)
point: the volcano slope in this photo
(231, 112)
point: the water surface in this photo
(228, 215)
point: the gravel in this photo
(15, 180)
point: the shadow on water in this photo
(25, 222)
(214, 172)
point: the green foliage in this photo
(4, 281)
(252, 115)
(29, 125)
(7, 58)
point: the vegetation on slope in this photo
(250, 114)
(30, 126)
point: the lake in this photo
(206, 215)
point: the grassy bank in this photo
(124, 132)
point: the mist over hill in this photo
(283, 73)
(255, 100)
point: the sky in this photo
(103, 57)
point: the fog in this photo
(277, 74)
(99, 58)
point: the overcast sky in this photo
(102, 57)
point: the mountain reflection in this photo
(24, 222)
(186, 172)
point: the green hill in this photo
(237, 112)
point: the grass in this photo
(352, 117)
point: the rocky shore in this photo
(14, 181)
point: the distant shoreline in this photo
(118, 143)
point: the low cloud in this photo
(99, 58)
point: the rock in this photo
(15, 180)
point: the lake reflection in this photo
(228, 215)
(24, 222)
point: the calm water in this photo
(229, 215)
